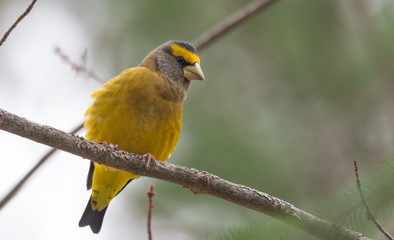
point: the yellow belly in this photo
(137, 120)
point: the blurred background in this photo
(291, 98)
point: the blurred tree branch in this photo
(151, 194)
(204, 40)
(27, 11)
(78, 68)
(231, 22)
(199, 182)
(21, 182)
(369, 212)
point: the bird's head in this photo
(187, 59)
(178, 62)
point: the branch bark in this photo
(199, 182)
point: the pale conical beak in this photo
(193, 72)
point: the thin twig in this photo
(21, 182)
(197, 181)
(29, 8)
(150, 194)
(19, 185)
(231, 22)
(79, 68)
(370, 215)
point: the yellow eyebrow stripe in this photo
(179, 51)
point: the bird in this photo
(138, 111)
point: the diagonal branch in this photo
(198, 181)
(21, 182)
(231, 22)
(27, 11)
(204, 40)
(370, 215)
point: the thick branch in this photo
(196, 180)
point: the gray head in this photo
(178, 63)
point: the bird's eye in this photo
(180, 60)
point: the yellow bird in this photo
(140, 111)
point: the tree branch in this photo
(27, 11)
(151, 193)
(231, 22)
(370, 215)
(200, 182)
(21, 182)
(78, 68)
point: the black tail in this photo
(92, 218)
(89, 179)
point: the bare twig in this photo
(18, 186)
(231, 22)
(78, 68)
(29, 8)
(200, 182)
(150, 194)
(370, 215)
(21, 182)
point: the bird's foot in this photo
(148, 159)
(111, 145)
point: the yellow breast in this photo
(129, 111)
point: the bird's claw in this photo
(148, 159)
(112, 146)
